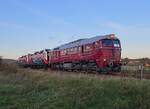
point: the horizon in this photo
(27, 26)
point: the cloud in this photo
(129, 30)
(40, 13)
(114, 25)
(11, 25)
(34, 11)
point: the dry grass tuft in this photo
(8, 67)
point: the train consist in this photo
(100, 53)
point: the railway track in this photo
(117, 74)
(120, 74)
(132, 75)
(103, 75)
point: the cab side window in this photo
(97, 44)
(87, 48)
(63, 52)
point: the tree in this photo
(126, 60)
(0, 61)
(145, 61)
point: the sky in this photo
(27, 26)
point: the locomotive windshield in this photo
(116, 43)
(110, 43)
(107, 43)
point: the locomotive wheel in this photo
(105, 70)
(117, 69)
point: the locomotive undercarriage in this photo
(88, 66)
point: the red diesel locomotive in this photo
(36, 60)
(100, 53)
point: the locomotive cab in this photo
(111, 53)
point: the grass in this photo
(33, 89)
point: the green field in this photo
(32, 89)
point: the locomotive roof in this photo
(47, 50)
(83, 42)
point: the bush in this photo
(7, 67)
(0, 60)
(1, 63)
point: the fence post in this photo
(141, 68)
